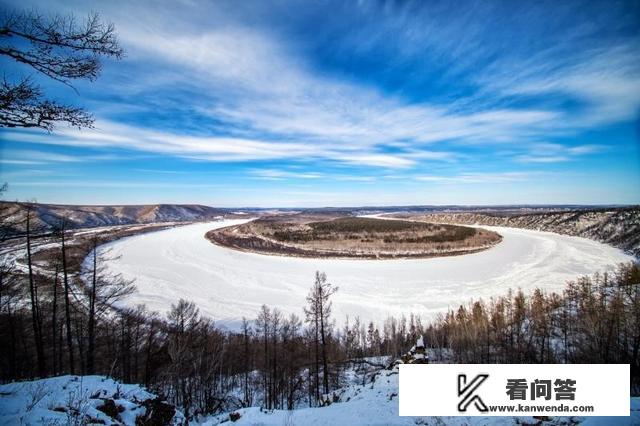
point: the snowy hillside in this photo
(619, 227)
(98, 400)
(50, 215)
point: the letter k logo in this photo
(467, 395)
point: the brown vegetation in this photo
(353, 237)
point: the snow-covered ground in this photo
(81, 400)
(75, 400)
(376, 403)
(227, 284)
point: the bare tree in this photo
(61, 231)
(263, 324)
(318, 313)
(276, 319)
(184, 321)
(246, 335)
(103, 292)
(35, 307)
(57, 47)
(54, 318)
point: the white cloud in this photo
(604, 81)
(263, 89)
(586, 149)
(273, 174)
(273, 104)
(24, 156)
(475, 178)
(38, 157)
(114, 184)
(542, 158)
(213, 148)
(276, 174)
(557, 153)
(260, 84)
(19, 162)
(379, 160)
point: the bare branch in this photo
(22, 105)
(60, 48)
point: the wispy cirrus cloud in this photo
(605, 83)
(261, 89)
(116, 184)
(400, 91)
(477, 178)
(279, 175)
(274, 174)
(213, 148)
(35, 157)
(557, 153)
(25, 156)
(269, 101)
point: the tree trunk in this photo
(35, 315)
(325, 372)
(266, 369)
(317, 361)
(147, 364)
(67, 307)
(92, 312)
(246, 363)
(54, 313)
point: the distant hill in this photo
(49, 216)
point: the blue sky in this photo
(322, 103)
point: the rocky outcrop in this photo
(157, 412)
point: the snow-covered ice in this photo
(227, 284)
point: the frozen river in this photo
(227, 284)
